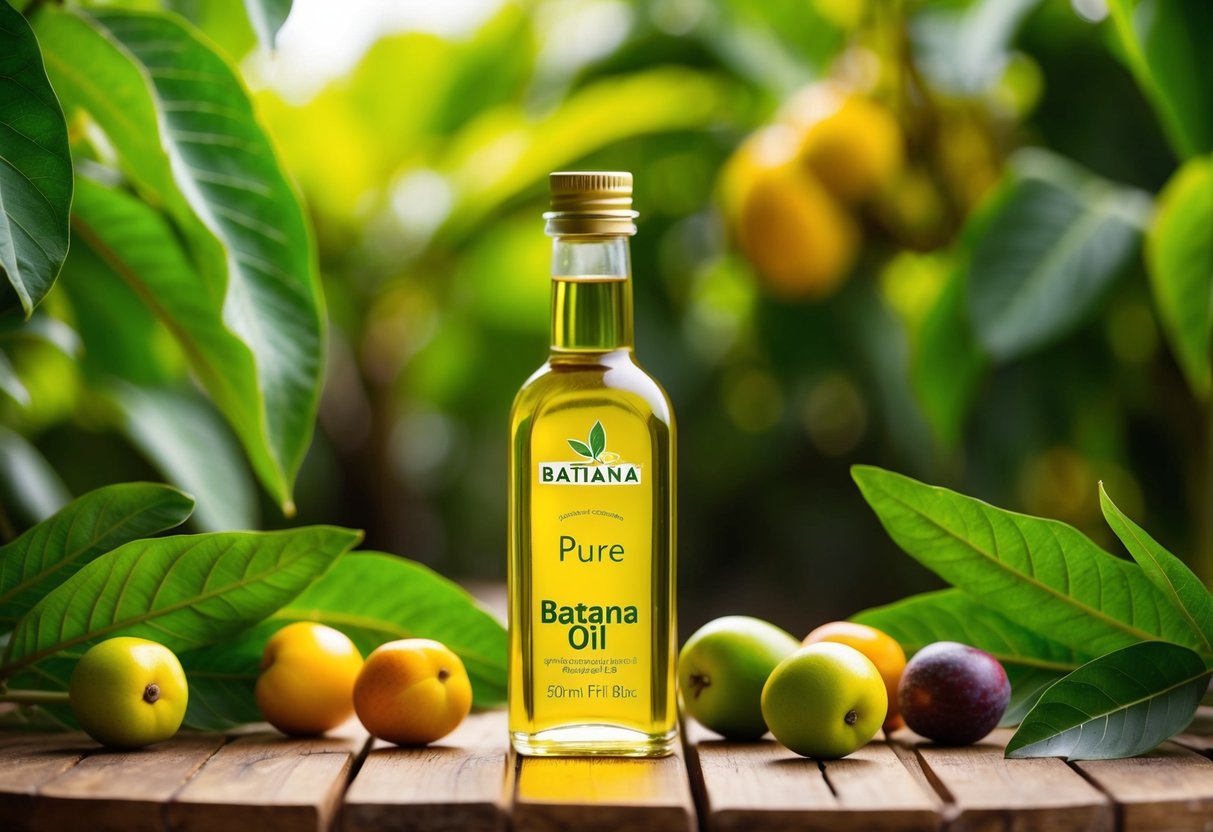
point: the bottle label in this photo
(592, 568)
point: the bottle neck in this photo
(591, 294)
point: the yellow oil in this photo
(592, 636)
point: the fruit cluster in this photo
(845, 160)
(130, 692)
(827, 696)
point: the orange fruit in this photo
(412, 692)
(800, 239)
(307, 678)
(880, 648)
(850, 142)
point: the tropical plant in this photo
(1107, 658)
(91, 572)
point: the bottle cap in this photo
(591, 204)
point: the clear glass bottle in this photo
(592, 532)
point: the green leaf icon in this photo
(580, 448)
(597, 440)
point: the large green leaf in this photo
(1166, 44)
(35, 166)
(182, 591)
(1058, 241)
(374, 598)
(1179, 257)
(1119, 705)
(184, 129)
(92, 524)
(185, 438)
(1043, 575)
(138, 246)
(1173, 578)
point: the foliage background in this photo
(422, 160)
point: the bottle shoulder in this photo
(562, 380)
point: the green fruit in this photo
(825, 700)
(129, 692)
(721, 671)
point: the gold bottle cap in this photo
(591, 204)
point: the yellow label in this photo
(591, 568)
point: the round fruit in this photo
(721, 671)
(129, 692)
(412, 692)
(800, 240)
(825, 700)
(880, 648)
(852, 143)
(307, 678)
(952, 693)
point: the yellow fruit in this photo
(412, 692)
(880, 648)
(307, 678)
(129, 692)
(801, 241)
(825, 700)
(853, 144)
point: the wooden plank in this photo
(762, 785)
(122, 791)
(269, 783)
(587, 794)
(985, 791)
(1169, 788)
(29, 761)
(456, 784)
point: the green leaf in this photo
(35, 166)
(1165, 44)
(184, 128)
(1061, 237)
(598, 115)
(1174, 579)
(1043, 575)
(92, 524)
(597, 440)
(1119, 705)
(186, 440)
(581, 448)
(1179, 260)
(420, 604)
(182, 591)
(30, 490)
(225, 22)
(136, 243)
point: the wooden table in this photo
(260, 780)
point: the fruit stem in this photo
(851, 718)
(699, 683)
(35, 697)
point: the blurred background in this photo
(871, 231)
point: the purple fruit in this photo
(952, 693)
